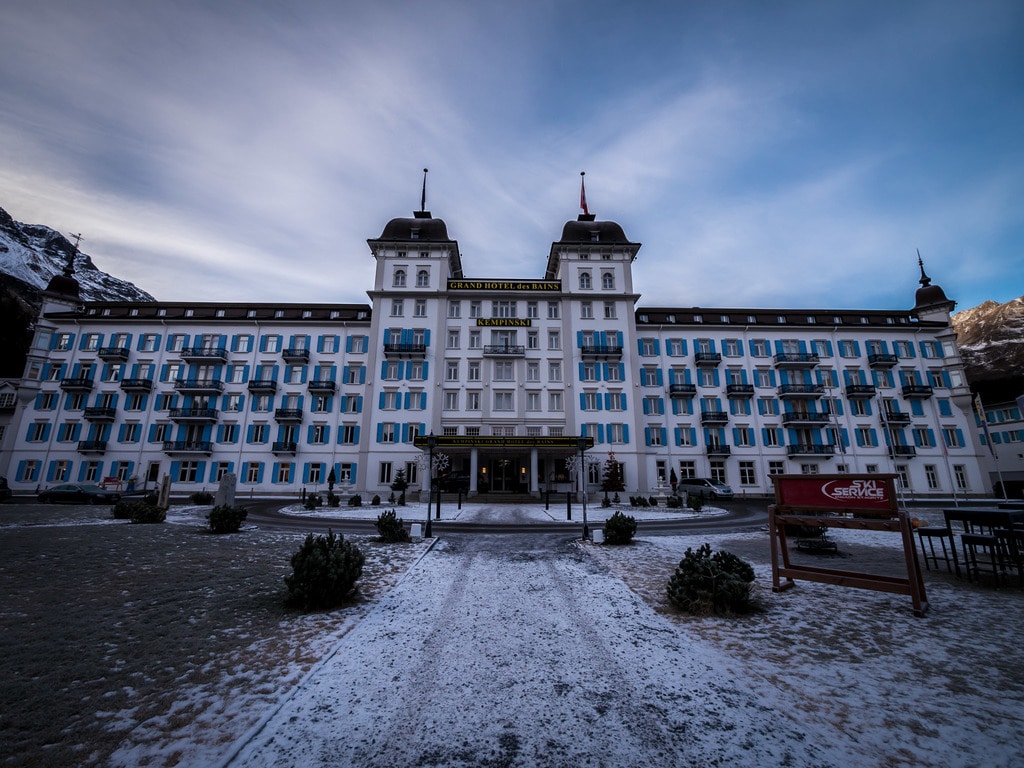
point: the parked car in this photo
(5, 489)
(78, 493)
(454, 482)
(705, 488)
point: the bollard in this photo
(547, 500)
(460, 498)
(568, 505)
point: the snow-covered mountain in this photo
(991, 340)
(32, 254)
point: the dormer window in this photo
(219, 313)
(595, 235)
(251, 314)
(414, 233)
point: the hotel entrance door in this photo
(507, 475)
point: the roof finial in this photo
(925, 280)
(423, 197)
(69, 267)
(583, 194)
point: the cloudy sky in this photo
(784, 154)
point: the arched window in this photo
(607, 281)
(585, 281)
(423, 278)
(399, 278)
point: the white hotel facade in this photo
(506, 374)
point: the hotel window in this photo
(503, 401)
(747, 474)
(932, 476)
(674, 347)
(503, 370)
(453, 339)
(503, 309)
(63, 342)
(454, 309)
(554, 340)
(647, 347)
(474, 371)
(531, 310)
(952, 438)
(586, 310)
(229, 433)
(533, 401)
(176, 342)
(399, 281)
(731, 347)
(389, 401)
(554, 371)
(585, 282)
(607, 281)
(554, 401)
(617, 401)
(533, 371)
(648, 377)
(319, 436)
(859, 407)
(187, 471)
(384, 475)
(847, 348)
(474, 339)
(451, 370)
(759, 347)
(423, 278)
(590, 401)
(532, 340)
(387, 432)
(420, 308)
(91, 342)
(588, 372)
(391, 370)
(475, 309)
(397, 307)
(472, 401)
(960, 476)
(616, 433)
(613, 372)
(553, 310)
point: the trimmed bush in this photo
(355, 501)
(706, 582)
(695, 501)
(324, 572)
(391, 528)
(123, 509)
(653, 501)
(144, 512)
(226, 519)
(313, 501)
(201, 497)
(333, 499)
(606, 502)
(619, 529)
(674, 502)
(375, 501)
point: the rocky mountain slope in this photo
(991, 339)
(30, 255)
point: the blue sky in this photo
(784, 154)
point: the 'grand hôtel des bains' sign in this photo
(548, 286)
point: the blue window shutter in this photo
(383, 368)
(175, 469)
(916, 408)
(678, 435)
(625, 433)
(607, 401)
(960, 438)
(274, 471)
(647, 407)
(583, 401)
(599, 438)
(931, 438)
(639, 346)
(380, 400)
(309, 434)
(581, 371)
(659, 377)
(874, 437)
(359, 403)
(380, 432)
(736, 435)
(579, 339)
(583, 430)
(362, 374)
(647, 435)
(355, 435)
(426, 369)
(305, 472)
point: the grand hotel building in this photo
(507, 375)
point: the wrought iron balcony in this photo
(796, 417)
(707, 358)
(288, 415)
(263, 386)
(801, 390)
(682, 390)
(739, 390)
(295, 355)
(199, 386)
(414, 351)
(100, 414)
(808, 449)
(882, 360)
(205, 354)
(897, 417)
(193, 414)
(917, 391)
(92, 446)
(504, 350)
(714, 417)
(719, 450)
(903, 451)
(188, 446)
(137, 385)
(320, 387)
(860, 390)
(76, 384)
(283, 448)
(601, 351)
(796, 360)
(114, 354)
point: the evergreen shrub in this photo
(619, 529)
(673, 502)
(333, 499)
(122, 510)
(226, 519)
(324, 572)
(375, 501)
(201, 497)
(144, 512)
(313, 501)
(706, 582)
(355, 500)
(391, 528)
(695, 501)
(606, 502)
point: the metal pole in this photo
(583, 486)
(430, 477)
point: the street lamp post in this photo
(581, 443)
(431, 444)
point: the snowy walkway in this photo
(522, 651)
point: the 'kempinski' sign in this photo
(504, 285)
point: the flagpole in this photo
(979, 408)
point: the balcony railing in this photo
(801, 390)
(137, 385)
(405, 350)
(263, 386)
(807, 449)
(114, 354)
(504, 350)
(903, 451)
(714, 417)
(99, 413)
(601, 350)
(795, 417)
(860, 390)
(92, 446)
(287, 415)
(896, 417)
(205, 353)
(193, 414)
(882, 361)
(917, 390)
(707, 358)
(319, 387)
(283, 447)
(719, 450)
(208, 386)
(295, 355)
(796, 360)
(739, 390)
(76, 384)
(682, 390)
(188, 446)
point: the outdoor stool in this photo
(930, 535)
(989, 546)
